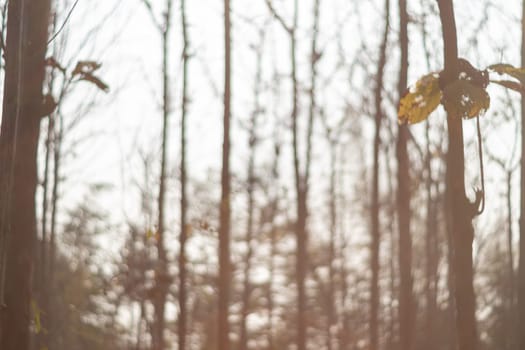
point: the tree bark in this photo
(251, 181)
(183, 200)
(460, 211)
(375, 229)
(431, 250)
(301, 195)
(161, 268)
(521, 268)
(224, 226)
(274, 198)
(510, 317)
(331, 312)
(57, 154)
(182, 322)
(27, 35)
(406, 304)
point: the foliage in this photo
(83, 71)
(421, 100)
(461, 98)
(465, 97)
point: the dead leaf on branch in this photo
(86, 67)
(464, 99)
(420, 100)
(93, 79)
(503, 68)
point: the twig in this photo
(156, 23)
(279, 18)
(53, 37)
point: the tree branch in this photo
(278, 17)
(154, 19)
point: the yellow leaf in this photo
(503, 68)
(464, 99)
(420, 100)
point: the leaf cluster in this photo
(83, 71)
(465, 97)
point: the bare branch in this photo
(154, 19)
(279, 18)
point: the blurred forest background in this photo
(204, 175)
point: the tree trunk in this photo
(511, 339)
(332, 319)
(406, 304)
(301, 195)
(300, 178)
(161, 269)
(375, 229)
(460, 211)
(251, 181)
(274, 197)
(182, 322)
(27, 35)
(521, 268)
(57, 154)
(224, 226)
(431, 250)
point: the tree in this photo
(300, 174)
(461, 89)
(162, 278)
(406, 307)
(223, 342)
(521, 269)
(182, 322)
(253, 142)
(374, 213)
(460, 210)
(27, 36)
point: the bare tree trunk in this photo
(301, 196)
(57, 154)
(431, 242)
(161, 269)
(182, 322)
(332, 319)
(300, 178)
(252, 148)
(406, 303)
(392, 340)
(246, 293)
(45, 202)
(224, 227)
(274, 197)
(27, 35)
(41, 277)
(460, 211)
(344, 335)
(521, 277)
(375, 229)
(511, 304)
(451, 281)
